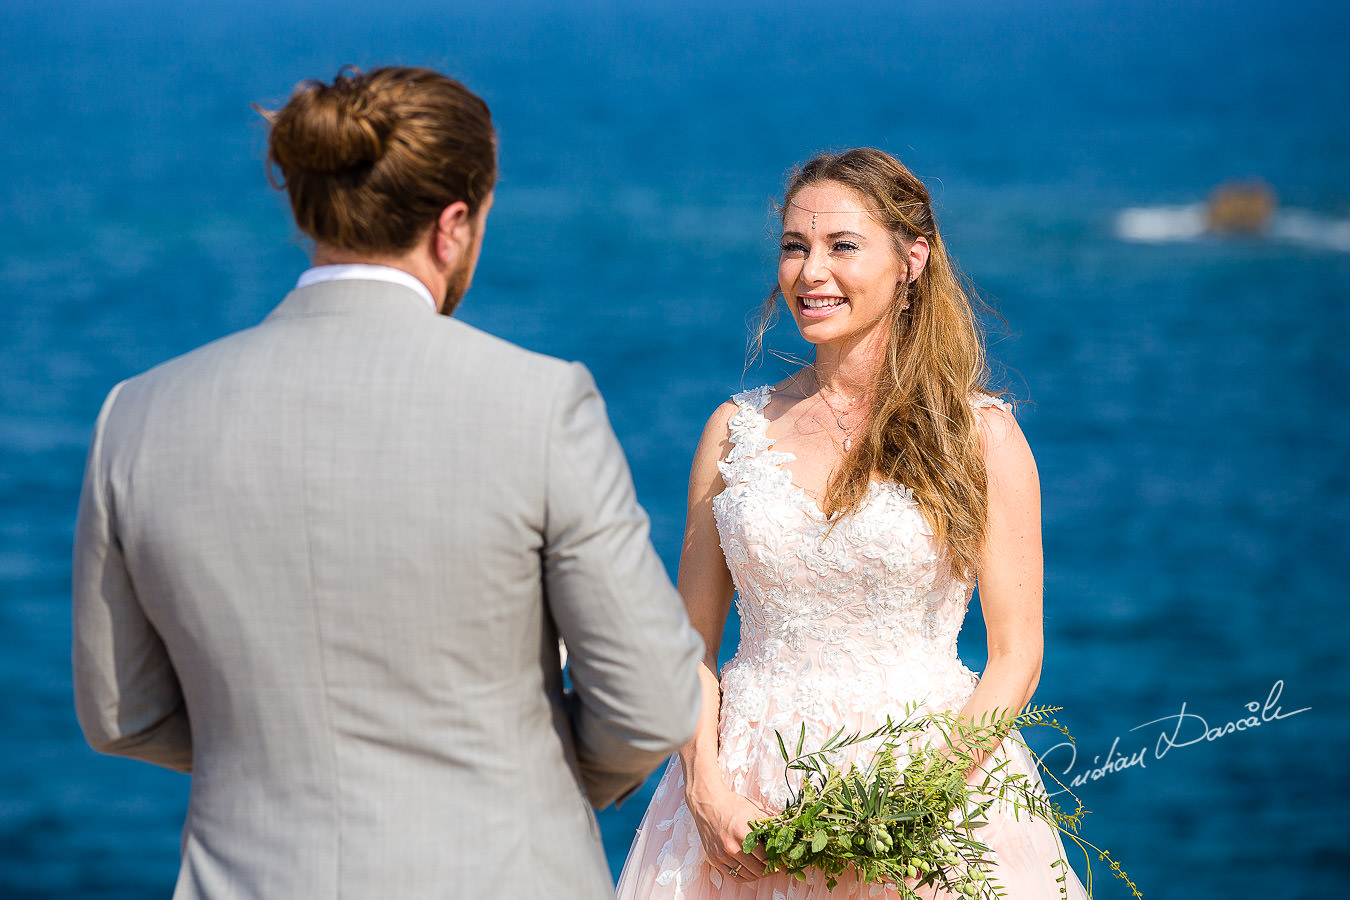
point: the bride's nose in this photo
(815, 268)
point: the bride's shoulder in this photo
(713, 446)
(717, 429)
(721, 417)
(1005, 446)
(752, 400)
(992, 412)
(993, 415)
(738, 414)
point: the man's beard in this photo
(457, 285)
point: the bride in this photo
(849, 510)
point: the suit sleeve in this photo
(127, 696)
(633, 655)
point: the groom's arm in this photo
(127, 695)
(633, 655)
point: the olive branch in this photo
(915, 826)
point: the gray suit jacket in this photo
(323, 564)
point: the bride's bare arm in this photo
(1011, 577)
(721, 815)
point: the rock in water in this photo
(1240, 208)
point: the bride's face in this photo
(837, 266)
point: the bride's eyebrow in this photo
(796, 234)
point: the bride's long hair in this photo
(921, 430)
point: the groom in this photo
(324, 563)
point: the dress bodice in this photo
(859, 609)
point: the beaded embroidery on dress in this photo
(840, 626)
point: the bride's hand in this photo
(723, 819)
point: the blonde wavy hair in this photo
(921, 430)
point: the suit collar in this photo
(353, 297)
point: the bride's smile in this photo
(818, 306)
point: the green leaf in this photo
(874, 821)
(893, 818)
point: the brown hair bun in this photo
(330, 128)
(370, 160)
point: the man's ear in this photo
(453, 233)
(918, 257)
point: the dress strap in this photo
(747, 431)
(981, 401)
(748, 426)
(755, 398)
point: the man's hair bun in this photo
(370, 160)
(330, 128)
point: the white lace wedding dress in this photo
(839, 627)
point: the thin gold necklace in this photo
(839, 418)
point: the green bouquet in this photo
(915, 826)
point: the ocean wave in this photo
(1158, 224)
(1186, 222)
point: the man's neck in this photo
(413, 263)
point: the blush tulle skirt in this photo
(666, 861)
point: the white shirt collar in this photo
(364, 272)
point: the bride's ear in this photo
(918, 257)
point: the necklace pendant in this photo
(848, 442)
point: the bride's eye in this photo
(846, 247)
(793, 247)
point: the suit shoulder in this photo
(172, 370)
(501, 353)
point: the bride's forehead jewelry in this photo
(825, 212)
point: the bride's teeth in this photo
(819, 302)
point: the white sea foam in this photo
(1298, 226)
(1157, 224)
(1166, 224)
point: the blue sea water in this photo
(1185, 393)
